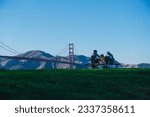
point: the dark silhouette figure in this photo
(94, 59)
(103, 60)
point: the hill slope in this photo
(14, 64)
(75, 84)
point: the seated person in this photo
(95, 56)
(110, 55)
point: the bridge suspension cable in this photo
(60, 52)
(6, 47)
(63, 50)
(69, 60)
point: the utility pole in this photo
(71, 54)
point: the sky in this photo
(119, 26)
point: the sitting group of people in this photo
(96, 59)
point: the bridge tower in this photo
(71, 54)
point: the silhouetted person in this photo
(94, 58)
(110, 58)
(110, 55)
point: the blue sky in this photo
(120, 26)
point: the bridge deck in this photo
(40, 59)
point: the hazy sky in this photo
(120, 26)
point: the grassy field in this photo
(99, 84)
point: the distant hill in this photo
(82, 59)
(144, 65)
(141, 65)
(12, 64)
(36, 54)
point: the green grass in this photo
(112, 84)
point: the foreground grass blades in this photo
(112, 84)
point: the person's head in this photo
(95, 51)
(108, 52)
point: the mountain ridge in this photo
(12, 64)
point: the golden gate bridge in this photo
(70, 60)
